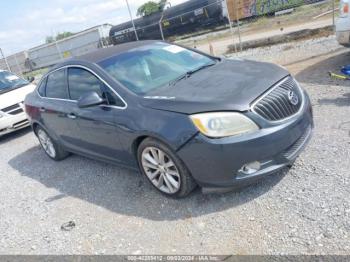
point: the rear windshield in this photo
(149, 67)
(9, 81)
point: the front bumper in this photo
(10, 123)
(216, 163)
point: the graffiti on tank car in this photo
(262, 7)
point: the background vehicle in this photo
(13, 90)
(183, 117)
(342, 25)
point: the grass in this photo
(36, 73)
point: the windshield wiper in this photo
(189, 73)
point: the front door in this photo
(97, 134)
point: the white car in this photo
(13, 90)
(342, 25)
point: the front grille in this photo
(293, 149)
(284, 100)
(13, 110)
(21, 124)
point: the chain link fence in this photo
(214, 26)
(255, 23)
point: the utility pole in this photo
(333, 16)
(132, 20)
(231, 29)
(161, 20)
(56, 44)
(238, 27)
(7, 64)
(161, 27)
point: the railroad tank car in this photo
(196, 15)
(183, 18)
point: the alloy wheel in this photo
(46, 143)
(161, 170)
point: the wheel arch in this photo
(37, 124)
(139, 139)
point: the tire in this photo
(290, 165)
(56, 152)
(172, 169)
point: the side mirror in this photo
(31, 79)
(90, 99)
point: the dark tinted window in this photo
(81, 81)
(56, 85)
(112, 98)
(41, 88)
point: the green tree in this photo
(49, 39)
(151, 7)
(63, 35)
(59, 36)
(162, 4)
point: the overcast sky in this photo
(25, 24)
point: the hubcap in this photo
(46, 143)
(160, 170)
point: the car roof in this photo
(105, 53)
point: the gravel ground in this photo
(303, 210)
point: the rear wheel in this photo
(51, 148)
(164, 169)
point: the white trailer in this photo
(78, 44)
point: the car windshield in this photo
(9, 81)
(149, 67)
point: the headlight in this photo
(221, 124)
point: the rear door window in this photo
(41, 88)
(56, 86)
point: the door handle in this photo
(42, 109)
(71, 116)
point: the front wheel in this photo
(164, 169)
(51, 148)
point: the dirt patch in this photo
(304, 34)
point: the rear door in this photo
(97, 133)
(56, 106)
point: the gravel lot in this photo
(305, 209)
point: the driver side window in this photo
(81, 81)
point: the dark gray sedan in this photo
(182, 117)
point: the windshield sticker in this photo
(174, 49)
(12, 78)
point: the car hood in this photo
(15, 96)
(230, 85)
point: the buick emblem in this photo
(293, 98)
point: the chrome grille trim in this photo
(274, 106)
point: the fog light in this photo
(251, 168)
